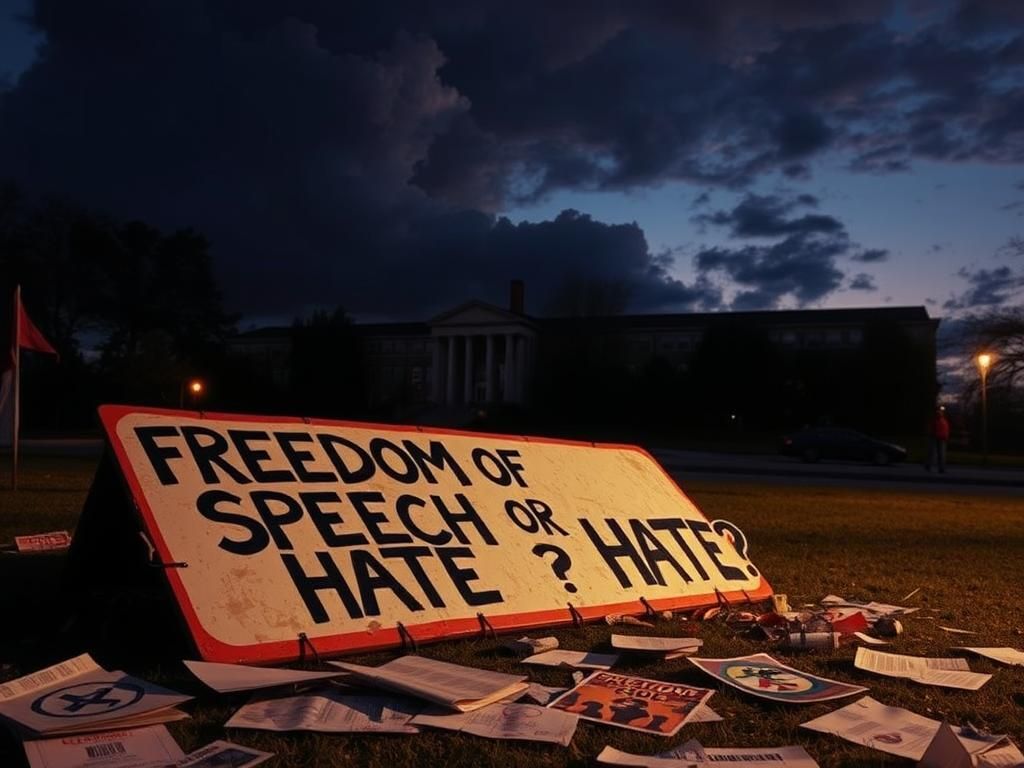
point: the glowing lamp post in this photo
(984, 361)
(194, 387)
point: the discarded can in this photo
(887, 627)
(814, 641)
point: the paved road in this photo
(784, 470)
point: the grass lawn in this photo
(964, 552)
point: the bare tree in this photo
(1000, 333)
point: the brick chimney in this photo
(516, 296)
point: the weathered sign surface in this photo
(353, 534)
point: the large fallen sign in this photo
(278, 532)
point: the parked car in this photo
(817, 443)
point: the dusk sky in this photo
(401, 158)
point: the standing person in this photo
(938, 436)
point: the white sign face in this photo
(343, 531)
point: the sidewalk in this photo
(784, 466)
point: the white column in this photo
(435, 371)
(521, 370)
(489, 370)
(449, 397)
(510, 368)
(526, 368)
(467, 387)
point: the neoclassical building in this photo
(478, 353)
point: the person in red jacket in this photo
(938, 436)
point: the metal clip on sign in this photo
(153, 558)
(485, 626)
(408, 641)
(303, 642)
(649, 612)
(577, 618)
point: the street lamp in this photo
(194, 387)
(984, 363)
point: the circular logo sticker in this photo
(766, 678)
(87, 699)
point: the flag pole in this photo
(16, 386)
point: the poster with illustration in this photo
(636, 703)
(761, 675)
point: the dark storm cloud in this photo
(801, 268)
(863, 282)
(360, 152)
(987, 288)
(871, 256)
(766, 216)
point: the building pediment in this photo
(478, 314)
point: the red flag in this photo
(29, 337)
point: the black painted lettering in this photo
(361, 473)
(621, 547)
(439, 458)
(211, 454)
(158, 455)
(258, 539)
(291, 512)
(381, 448)
(699, 528)
(299, 458)
(253, 458)
(654, 552)
(371, 575)
(411, 556)
(491, 467)
(308, 586)
(543, 514)
(403, 507)
(521, 516)
(462, 576)
(508, 456)
(468, 514)
(372, 519)
(673, 526)
(325, 520)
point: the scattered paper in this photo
(151, 747)
(618, 618)
(948, 750)
(692, 753)
(524, 722)
(948, 673)
(1003, 655)
(224, 754)
(871, 610)
(541, 694)
(636, 703)
(869, 639)
(329, 710)
(78, 696)
(954, 631)
(645, 644)
(232, 678)
(451, 685)
(845, 620)
(705, 714)
(889, 729)
(761, 675)
(575, 659)
(532, 644)
(43, 542)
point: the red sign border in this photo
(212, 649)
